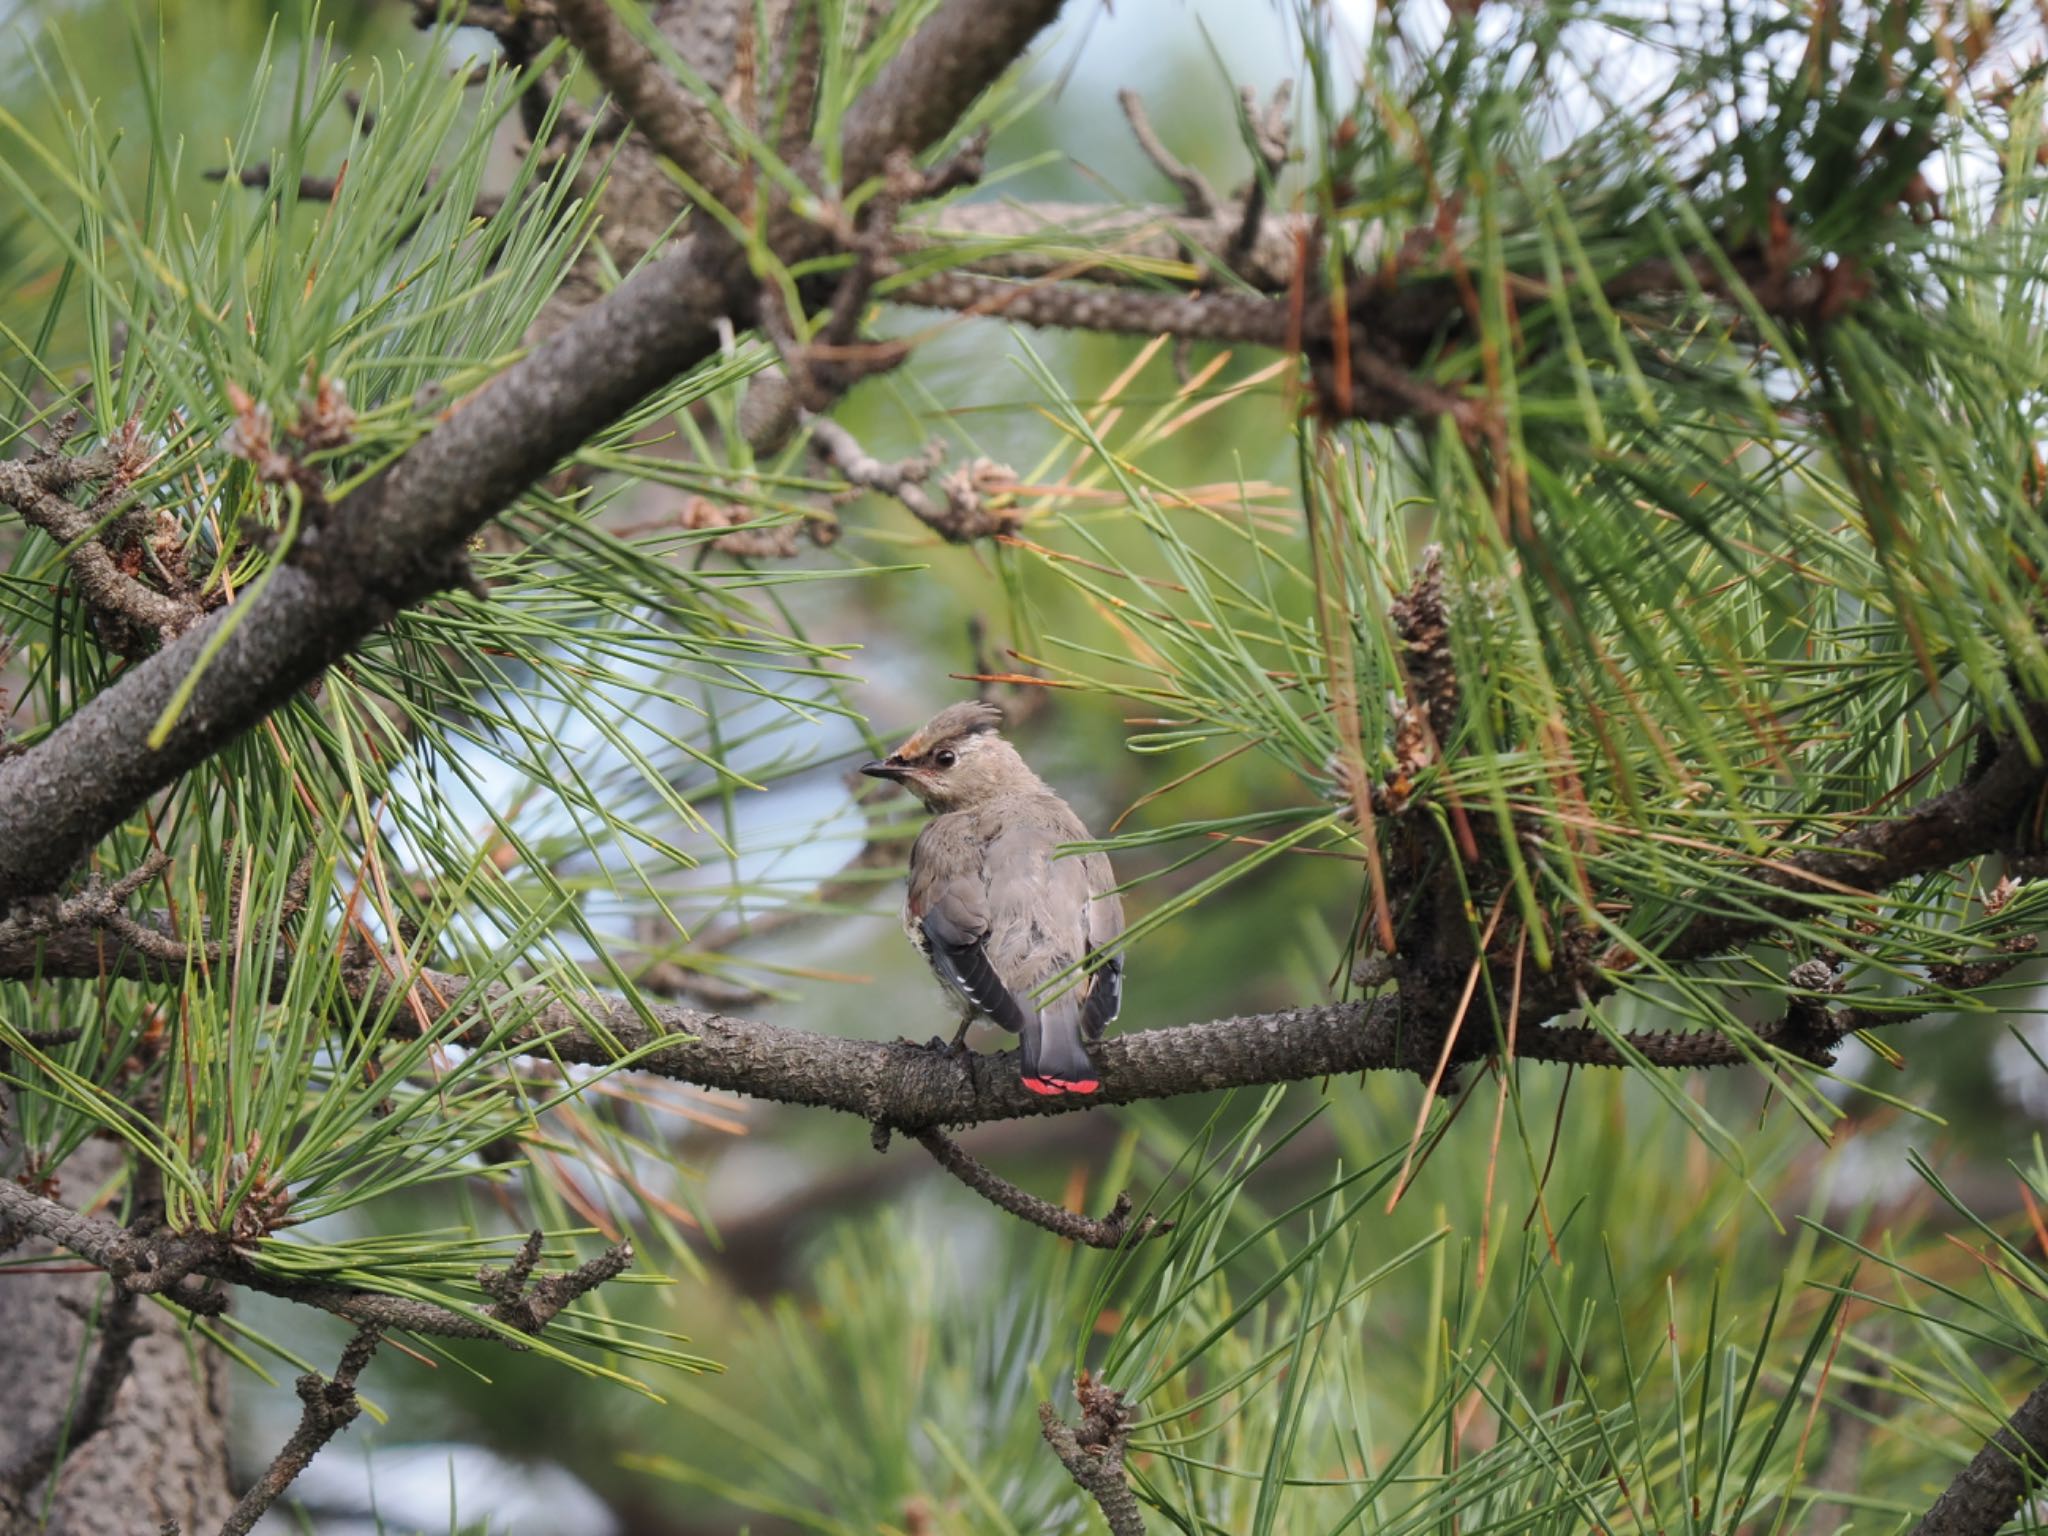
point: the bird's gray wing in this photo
(947, 907)
(1044, 912)
(1038, 931)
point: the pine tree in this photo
(1607, 639)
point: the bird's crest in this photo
(972, 718)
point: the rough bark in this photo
(163, 1454)
(1987, 1492)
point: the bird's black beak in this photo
(886, 768)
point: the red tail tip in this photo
(1053, 1087)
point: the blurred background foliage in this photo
(1604, 1300)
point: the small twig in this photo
(98, 908)
(513, 25)
(523, 29)
(324, 189)
(329, 1407)
(1272, 137)
(817, 372)
(507, 1284)
(527, 1304)
(1022, 697)
(1197, 197)
(1272, 133)
(1093, 1452)
(119, 1327)
(966, 514)
(257, 177)
(1987, 1492)
(666, 978)
(52, 1039)
(1110, 1231)
(964, 167)
(1039, 239)
(573, 123)
(749, 534)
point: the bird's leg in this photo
(959, 1043)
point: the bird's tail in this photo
(1055, 1061)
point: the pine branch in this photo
(912, 1088)
(1987, 1492)
(324, 189)
(1226, 317)
(1368, 361)
(1111, 244)
(177, 1265)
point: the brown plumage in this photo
(990, 908)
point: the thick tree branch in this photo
(396, 540)
(327, 1407)
(1987, 1492)
(1110, 1231)
(1231, 317)
(911, 1087)
(905, 1086)
(675, 121)
(119, 1328)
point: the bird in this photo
(993, 912)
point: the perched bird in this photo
(991, 909)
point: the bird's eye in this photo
(946, 758)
